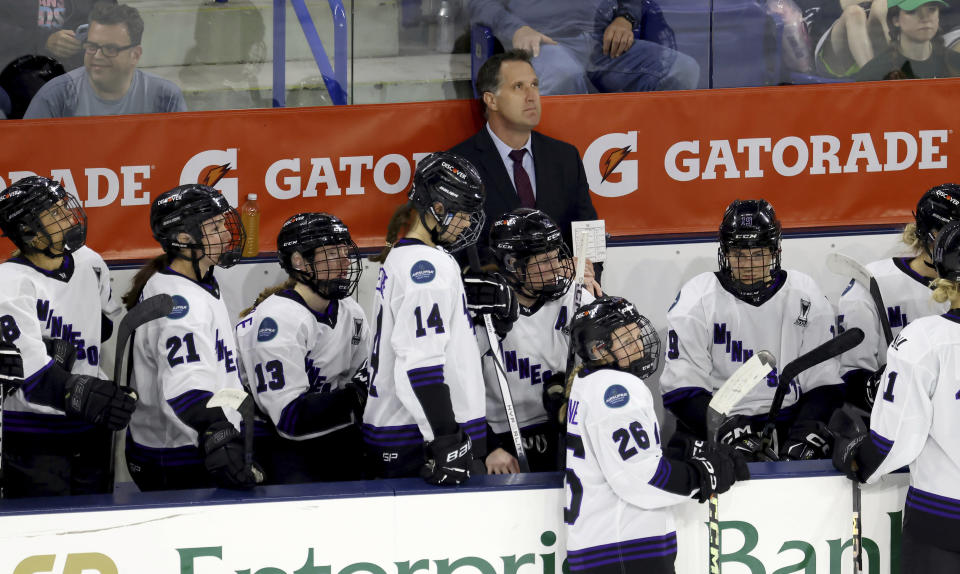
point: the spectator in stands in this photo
(916, 48)
(519, 166)
(581, 46)
(109, 82)
(854, 38)
(43, 28)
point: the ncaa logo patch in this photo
(180, 308)
(423, 271)
(267, 330)
(616, 396)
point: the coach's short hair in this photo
(109, 14)
(488, 78)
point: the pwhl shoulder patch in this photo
(616, 396)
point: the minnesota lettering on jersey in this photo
(521, 365)
(57, 329)
(314, 378)
(225, 354)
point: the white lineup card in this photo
(595, 233)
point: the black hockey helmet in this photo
(938, 206)
(946, 252)
(598, 326)
(39, 208)
(452, 181)
(188, 209)
(521, 239)
(749, 224)
(23, 77)
(336, 274)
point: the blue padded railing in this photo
(335, 76)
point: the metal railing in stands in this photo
(335, 76)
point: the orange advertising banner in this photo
(657, 163)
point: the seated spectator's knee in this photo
(559, 72)
(854, 15)
(684, 74)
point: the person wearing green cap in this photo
(916, 45)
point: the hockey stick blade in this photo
(149, 309)
(828, 350)
(846, 266)
(741, 382)
(496, 351)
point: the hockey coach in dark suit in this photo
(519, 166)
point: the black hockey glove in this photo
(739, 433)
(845, 456)
(718, 468)
(489, 293)
(357, 390)
(99, 402)
(554, 389)
(63, 352)
(449, 459)
(807, 440)
(224, 457)
(11, 365)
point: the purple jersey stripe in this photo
(626, 544)
(682, 393)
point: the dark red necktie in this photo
(521, 180)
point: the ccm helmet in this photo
(747, 225)
(531, 253)
(612, 325)
(454, 183)
(938, 206)
(186, 209)
(333, 276)
(39, 216)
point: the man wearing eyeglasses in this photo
(109, 82)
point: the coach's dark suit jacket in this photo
(562, 191)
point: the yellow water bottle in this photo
(250, 217)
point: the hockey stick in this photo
(741, 382)
(242, 402)
(826, 351)
(847, 422)
(578, 286)
(849, 267)
(496, 351)
(149, 309)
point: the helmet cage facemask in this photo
(195, 250)
(598, 349)
(517, 269)
(946, 252)
(330, 289)
(464, 235)
(766, 272)
(66, 215)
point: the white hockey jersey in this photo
(181, 359)
(535, 348)
(289, 350)
(710, 333)
(423, 336)
(907, 297)
(914, 420)
(63, 304)
(615, 473)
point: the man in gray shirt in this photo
(109, 82)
